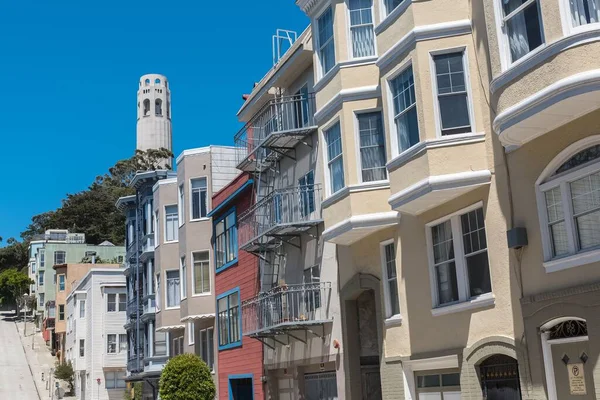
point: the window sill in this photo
(171, 241)
(485, 300)
(391, 17)
(172, 308)
(201, 294)
(572, 261)
(200, 219)
(394, 320)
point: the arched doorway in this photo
(565, 350)
(499, 375)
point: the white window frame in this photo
(567, 20)
(64, 282)
(81, 347)
(210, 346)
(82, 308)
(108, 335)
(318, 46)
(357, 141)
(156, 215)
(119, 336)
(210, 283)
(468, 89)
(205, 218)
(166, 294)
(503, 41)
(385, 15)
(392, 319)
(326, 127)
(176, 232)
(181, 204)
(157, 291)
(116, 302)
(391, 119)
(191, 327)
(183, 277)
(63, 252)
(465, 301)
(575, 257)
(349, 43)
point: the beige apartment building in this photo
(432, 128)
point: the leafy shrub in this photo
(186, 377)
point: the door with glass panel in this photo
(320, 386)
(438, 386)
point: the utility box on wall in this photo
(517, 238)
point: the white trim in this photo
(168, 328)
(389, 19)
(191, 200)
(542, 54)
(181, 204)
(571, 86)
(166, 307)
(465, 301)
(439, 182)
(317, 46)
(421, 33)
(485, 300)
(427, 364)
(434, 87)
(423, 146)
(197, 317)
(357, 148)
(391, 114)
(160, 183)
(576, 339)
(345, 95)
(358, 62)
(362, 221)
(194, 294)
(326, 127)
(165, 241)
(349, 42)
(191, 333)
(356, 188)
(395, 320)
(182, 279)
(191, 152)
(391, 318)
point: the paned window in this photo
(42, 259)
(177, 346)
(460, 259)
(361, 28)
(181, 205)
(42, 299)
(405, 109)
(172, 289)
(201, 272)
(453, 100)
(207, 348)
(60, 257)
(61, 283)
(372, 146)
(115, 379)
(122, 343)
(325, 41)
(81, 347)
(158, 295)
(111, 302)
(156, 224)
(390, 5)
(41, 278)
(585, 12)
(81, 308)
(191, 328)
(199, 197)
(229, 320)
(571, 198)
(335, 159)
(122, 301)
(306, 185)
(171, 224)
(226, 240)
(183, 276)
(111, 343)
(391, 279)
(523, 26)
(61, 312)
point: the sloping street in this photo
(16, 380)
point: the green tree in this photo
(64, 372)
(13, 285)
(13, 255)
(186, 377)
(92, 211)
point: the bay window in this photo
(325, 41)
(459, 264)
(171, 224)
(111, 343)
(226, 240)
(390, 276)
(201, 272)
(372, 146)
(391, 5)
(183, 276)
(306, 185)
(207, 350)
(199, 198)
(60, 257)
(181, 205)
(404, 108)
(584, 12)
(361, 28)
(335, 160)
(172, 288)
(522, 26)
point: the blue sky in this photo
(70, 71)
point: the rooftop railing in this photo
(285, 308)
(283, 212)
(275, 128)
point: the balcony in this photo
(286, 308)
(275, 130)
(147, 247)
(284, 212)
(133, 308)
(149, 307)
(133, 365)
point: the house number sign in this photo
(576, 379)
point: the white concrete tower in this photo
(154, 113)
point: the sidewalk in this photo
(39, 358)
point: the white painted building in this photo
(96, 341)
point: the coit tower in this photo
(154, 113)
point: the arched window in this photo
(147, 82)
(146, 107)
(569, 199)
(157, 81)
(158, 107)
(500, 378)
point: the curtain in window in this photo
(334, 153)
(405, 109)
(361, 28)
(326, 43)
(372, 150)
(198, 198)
(556, 220)
(585, 193)
(584, 11)
(445, 267)
(523, 29)
(173, 293)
